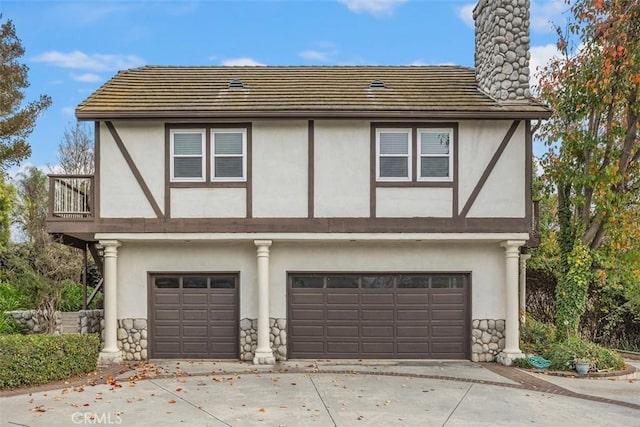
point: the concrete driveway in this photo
(323, 393)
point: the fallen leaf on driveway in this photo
(262, 410)
(172, 401)
(39, 408)
(179, 389)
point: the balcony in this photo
(71, 197)
(534, 233)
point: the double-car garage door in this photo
(378, 316)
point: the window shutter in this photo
(228, 167)
(228, 143)
(187, 144)
(394, 143)
(187, 167)
(434, 167)
(434, 143)
(394, 167)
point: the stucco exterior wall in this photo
(120, 194)
(144, 141)
(208, 202)
(136, 260)
(341, 173)
(414, 202)
(280, 165)
(503, 193)
(485, 261)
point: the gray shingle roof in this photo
(298, 91)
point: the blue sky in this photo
(72, 47)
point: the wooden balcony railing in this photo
(71, 197)
(534, 233)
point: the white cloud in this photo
(419, 63)
(68, 111)
(94, 62)
(540, 56)
(181, 8)
(465, 13)
(86, 13)
(241, 62)
(375, 7)
(314, 55)
(545, 13)
(86, 77)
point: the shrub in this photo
(38, 359)
(537, 337)
(11, 298)
(523, 362)
(563, 354)
(8, 325)
(71, 299)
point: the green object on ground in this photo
(539, 362)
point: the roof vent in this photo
(236, 84)
(376, 84)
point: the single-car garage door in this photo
(194, 316)
(379, 316)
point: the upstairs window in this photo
(229, 155)
(435, 159)
(393, 157)
(187, 155)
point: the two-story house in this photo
(263, 213)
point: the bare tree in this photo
(75, 152)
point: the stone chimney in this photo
(502, 48)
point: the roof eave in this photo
(541, 113)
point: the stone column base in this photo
(507, 358)
(106, 358)
(264, 358)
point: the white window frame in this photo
(409, 133)
(421, 155)
(243, 178)
(203, 155)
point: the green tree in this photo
(593, 163)
(7, 198)
(16, 118)
(32, 206)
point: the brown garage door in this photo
(194, 316)
(379, 316)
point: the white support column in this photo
(523, 287)
(110, 352)
(264, 354)
(512, 328)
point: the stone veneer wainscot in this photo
(249, 338)
(132, 338)
(487, 339)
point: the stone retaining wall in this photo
(249, 338)
(91, 322)
(487, 339)
(132, 338)
(33, 320)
